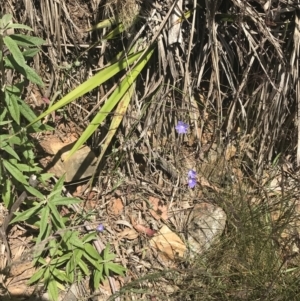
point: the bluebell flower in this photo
(100, 228)
(192, 182)
(192, 178)
(181, 127)
(192, 174)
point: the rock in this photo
(205, 225)
(81, 165)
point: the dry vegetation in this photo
(234, 78)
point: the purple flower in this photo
(100, 228)
(192, 182)
(181, 127)
(192, 174)
(192, 178)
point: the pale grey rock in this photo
(206, 224)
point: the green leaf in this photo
(5, 21)
(36, 276)
(92, 261)
(27, 41)
(115, 268)
(60, 275)
(3, 113)
(25, 70)
(6, 193)
(89, 237)
(107, 256)
(10, 151)
(27, 112)
(98, 277)
(15, 51)
(74, 240)
(61, 260)
(14, 171)
(5, 122)
(19, 26)
(90, 250)
(70, 267)
(45, 177)
(32, 76)
(25, 215)
(34, 192)
(28, 168)
(52, 289)
(111, 102)
(59, 184)
(9, 138)
(63, 201)
(11, 100)
(56, 216)
(44, 222)
(93, 82)
(77, 255)
(83, 267)
(30, 53)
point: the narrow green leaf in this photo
(99, 78)
(11, 100)
(83, 267)
(5, 122)
(94, 263)
(27, 41)
(11, 151)
(106, 252)
(28, 168)
(64, 201)
(77, 255)
(30, 53)
(111, 102)
(115, 32)
(56, 215)
(25, 70)
(36, 276)
(44, 222)
(27, 112)
(74, 240)
(12, 139)
(25, 215)
(5, 20)
(60, 275)
(13, 170)
(106, 269)
(89, 237)
(32, 76)
(61, 260)
(52, 289)
(89, 249)
(115, 268)
(59, 184)
(70, 267)
(15, 51)
(34, 192)
(6, 193)
(19, 26)
(98, 277)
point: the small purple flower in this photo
(181, 127)
(192, 182)
(100, 228)
(192, 174)
(192, 178)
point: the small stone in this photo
(81, 165)
(206, 224)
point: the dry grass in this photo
(235, 79)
